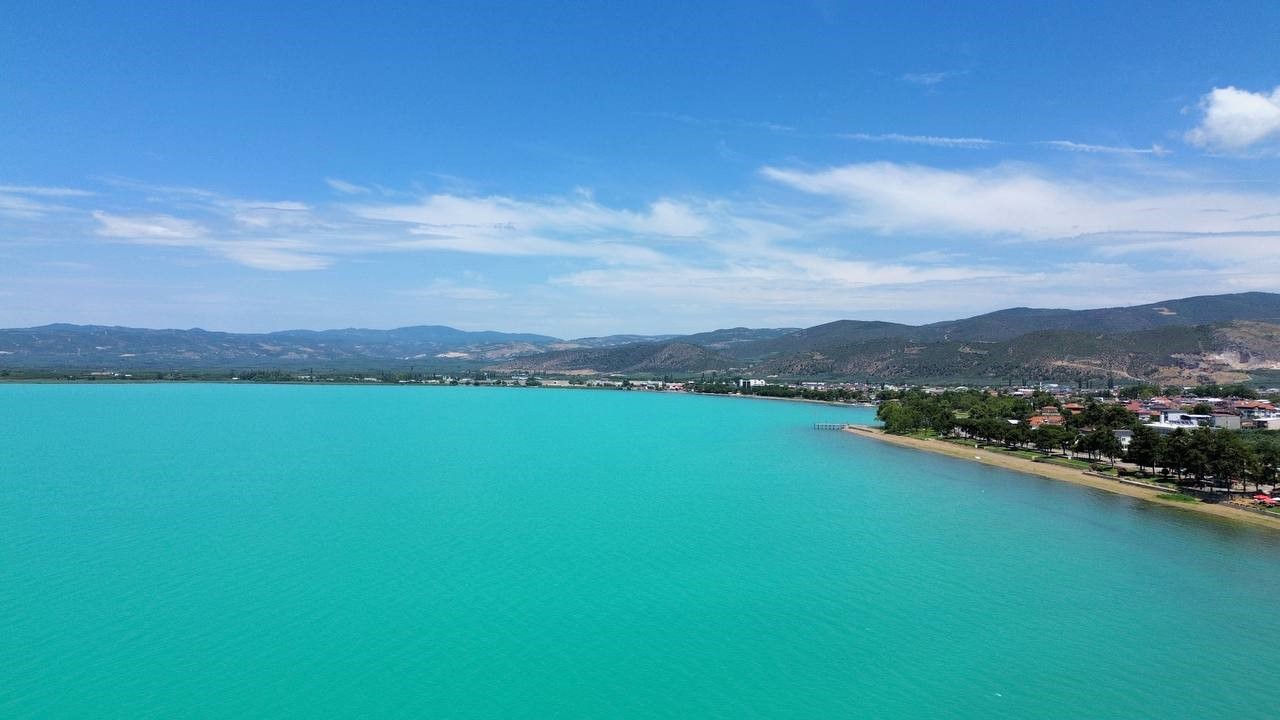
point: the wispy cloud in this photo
(29, 202)
(1017, 201)
(452, 290)
(931, 79)
(968, 143)
(695, 120)
(1071, 146)
(44, 191)
(347, 188)
(856, 238)
(162, 229)
(243, 244)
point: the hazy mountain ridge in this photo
(1209, 337)
(81, 346)
(660, 357)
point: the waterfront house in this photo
(1125, 437)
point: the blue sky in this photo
(580, 169)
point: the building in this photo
(1125, 437)
(1178, 416)
(1269, 422)
(1226, 421)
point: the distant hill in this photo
(730, 338)
(102, 347)
(832, 334)
(1202, 310)
(1015, 322)
(648, 358)
(610, 341)
(1197, 353)
(1215, 337)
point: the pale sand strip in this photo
(1057, 472)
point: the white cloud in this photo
(442, 288)
(162, 229)
(23, 208)
(1235, 120)
(44, 191)
(270, 256)
(1018, 202)
(930, 79)
(968, 143)
(345, 187)
(29, 202)
(270, 214)
(259, 253)
(1157, 150)
(569, 227)
(878, 238)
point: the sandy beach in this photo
(1058, 472)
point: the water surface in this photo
(316, 551)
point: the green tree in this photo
(1229, 460)
(1144, 448)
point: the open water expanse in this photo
(230, 551)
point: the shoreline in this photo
(352, 383)
(1064, 474)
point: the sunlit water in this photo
(303, 551)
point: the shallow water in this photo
(317, 551)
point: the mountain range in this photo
(1206, 338)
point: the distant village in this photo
(1177, 408)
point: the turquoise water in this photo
(300, 551)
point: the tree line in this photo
(1200, 457)
(726, 387)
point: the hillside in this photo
(649, 358)
(1222, 337)
(95, 346)
(1015, 322)
(1202, 353)
(1202, 310)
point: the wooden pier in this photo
(830, 426)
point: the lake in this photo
(206, 550)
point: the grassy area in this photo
(1024, 454)
(1178, 497)
(922, 435)
(1066, 462)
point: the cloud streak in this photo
(967, 143)
(1071, 146)
(1016, 201)
(931, 79)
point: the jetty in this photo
(830, 426)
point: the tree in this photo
(1202, 408)
(1055, 437)
(1144, 448)
(1139, 392)
(1228, 458)
(1199, 452)
(1018, 435)
(1177, 448)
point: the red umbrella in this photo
(1260, 496)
